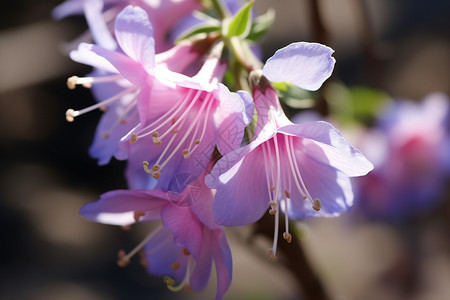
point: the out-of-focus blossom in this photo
(184, 247)
(101, 14)
(121, 77)
(288, 166)
(410, 148)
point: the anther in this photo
(175, 266)
(70, 115)
(287, 236)
(187, 288)
(123, 259)
(105, 135)
(169, 281)
(186, 252)
(185, 153)
(317, 204)
(156, 168)
(272, 211)
(143, 262)
(155, 136)
(72, 82)
(156, 175)
(134, 138)
(272, 188)
(273, 203)
(138, 214)
(197, 141)
(103, 108)
(271, 256)
(146, 169)
(287, 194)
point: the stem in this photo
(221, 10)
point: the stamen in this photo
(317, 204)
(185, 153)
(287, 194)
(175, 266)
(272, 203)
(71, 114)
(166, 117)
(186, 252)
(155, 136)
(183, 284)
(124, 259)
(87, 82)
(272, 211)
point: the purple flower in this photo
(121, 77)
(100, 15)
(410, 149)
(184, 247)
(288, 166)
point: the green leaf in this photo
(293, 96)
(204, 28)
(241, 23)
(261, 26)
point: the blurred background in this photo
(399, 48)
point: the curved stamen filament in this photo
(292, 160)
(87, 82)
(167, 116)
(269, 185)
(124, 259)
(121, 118)
(197, 117)
(205, 123)
(185, 282)
(183, 115)
(71, 114)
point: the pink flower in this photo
(184, 247)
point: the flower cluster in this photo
(199, 156)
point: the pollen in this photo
(134, 138)
(156, 175)
(70, 115)
(287, 236)
(72, 82)
(272, 211)
(197, 141)
(185, 153)
(273, 203)
(287, 194)
(175, 266)
(317, 204)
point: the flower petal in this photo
(97, 25)
(85, 55)
(202, 272)
(222, 261)
(338, 152)
(242, 196)
(307, 65)
(118, 207)
(186, 228)
(134, 33)
(233, 114)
